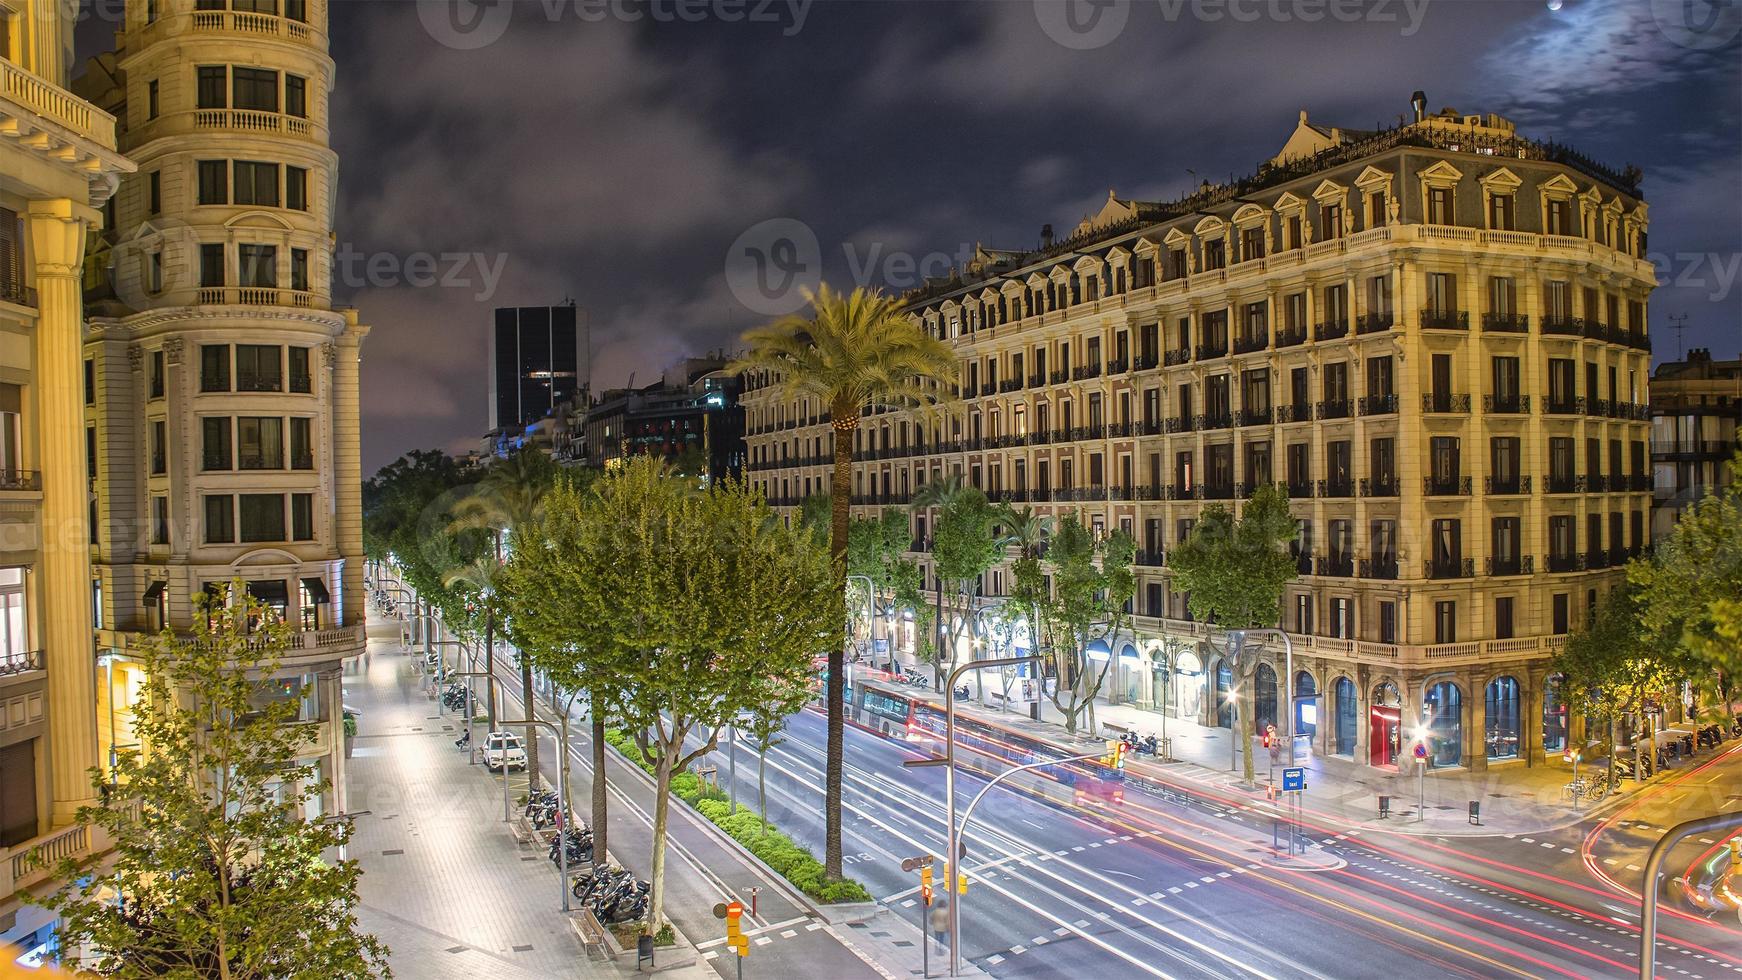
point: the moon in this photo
(1554, 4)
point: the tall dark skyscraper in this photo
(537, 360)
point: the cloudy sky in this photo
(519, 153)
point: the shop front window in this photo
(1445, 724)
(1500, 708)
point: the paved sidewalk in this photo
(1514, 798)
(444, 883)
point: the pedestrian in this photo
(940, 922)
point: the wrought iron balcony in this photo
(1565, 406)
(1383, 486)
(20, 480)
(1565, 326)
(1085, 372)
(1150, 558)
(988, 388)
(1516, 565)
(1294, 413)
(1118, 430)
(1299, 491)
(1337, 566)
(1118, 365)
(1287, 337)
(1441, 402)
(1384, 567)
(1331, 330)
(1060, 377)
(1453, 487)
(1216, 491)
(1432, 319)
(1208, 351)
(1336, 488)
(1182, 424)
(1176, 357)
(1009, 385)
(1373, 322)
(1037, 379)
(1566, 563)
(1145, 362)
(1452, 568)
(1497, 487)
(1506, 404)
(1254, 416)
(1506, 322)
(1209, 422)
(1378, 404)
(1249, 345)
(1337, 409)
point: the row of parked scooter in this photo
(1146, 745)
(454, 697)
(611, 893)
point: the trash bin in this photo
(1476, 812)
(1384, 807)
(643, 951)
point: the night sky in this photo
(559, 150)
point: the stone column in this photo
(343, 358)
(63, 577)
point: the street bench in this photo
(1111, 730)
(592, 933)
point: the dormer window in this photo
(1439, 206)
(1330, 221)
(1215, 254)
(1502, 212)
(1560, 217)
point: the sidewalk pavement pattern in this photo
(1514, 798)
(444, 883)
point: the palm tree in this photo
(509, 498)
(854, 351)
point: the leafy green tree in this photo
(816, 514)
(1691, 574)
(506, 501)
(875, 546)
(856, 351)
(407, 513)
(965, 546)
(763, 723)
(218, 873)
(1615, 667)
(1234, 570)
(706, 607)
(1092, 582)
(544, 589)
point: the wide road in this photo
(1183, 884)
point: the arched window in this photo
(1554, 715)
(1224, 706)
(1445, 724)
(1264, 698)
(1346, 717)
(1501, 729)
(1306, 706)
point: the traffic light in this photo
(925, 880)
(1119, 751)
(1112, 757)
(735, 937)
(1269, 736)
(1736, 853)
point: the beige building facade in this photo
(1696, 430)
(1434, 337)
(222, 410)
(58, 168)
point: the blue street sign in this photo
(1293, 779)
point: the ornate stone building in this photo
(222, 408)
(1433, 336)
(1696, 429)
(58, 167)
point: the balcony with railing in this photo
(1383, 567)
(258, 296)
(1084, 372)
(1379, 486)
(1303, 562)
(1563, 483)
(1207, 423)
(20, 480)
(1174, 358)
(1150, 558)
(1118, 430)
(1334, 408)
(256, 121)
(1250, 344)
(1378, 404)
(1336, 566)
(1451, 568)
(55, 104)
(1436, 319)
(1207, 352)
(1515, 565)
(1558, 563)
(1181, 424)
(1294, 413)
(1559, 325)
(1445, 487)
(1254, 416)
(1037, 379)
(1331, 330)
(16, 662)
(1506, 404)
(1501, 487)
(1059, 377)
(1336, 488)
(1299, 491)
(1290, 336)
(1564, 406)
(1506, 322)
(1445, 403)
(252, 24)
(1145, 362)
(1009, 385)
(1117, 365)
(1596, 559)
(1378, 322)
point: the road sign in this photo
(1420, 752)
(1293, 779)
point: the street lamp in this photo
(1234, 743)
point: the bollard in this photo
(1385, 808)
(1476, 812)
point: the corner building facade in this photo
(1434, 337)
(223, 394)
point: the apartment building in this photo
(1696, 425)
(222, 397)
(58, 167)
(1434, 337)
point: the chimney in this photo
(1419, 102)
(1046, 236)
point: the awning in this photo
(317, 590)
(269, 591)
(154, 594)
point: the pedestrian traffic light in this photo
(1269, 736)
(735, 937)
(925, 881)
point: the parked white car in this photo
(504, 749)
